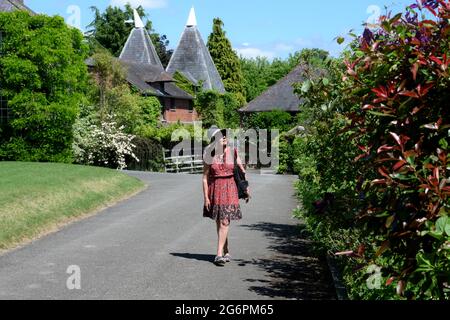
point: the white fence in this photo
(183, 164)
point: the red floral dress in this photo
(222, 190)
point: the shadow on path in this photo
(295, 272)
(199, 257)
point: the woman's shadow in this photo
(199, 257)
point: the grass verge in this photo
(39, 198)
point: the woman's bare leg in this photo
(223, 227)
(225, 248)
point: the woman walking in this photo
(220, 190)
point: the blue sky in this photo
(255, 27)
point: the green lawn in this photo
(37, 198)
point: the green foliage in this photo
(44, 78)
(219, 109)
(150, 155)
(232, 103)
(210, 107)
(377, 154)
(226, 60)
(109, 30)
(260, 73)
(163, 133)
(276, 119)
(114, 97)
(184, 84)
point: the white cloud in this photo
(284, 47)
(246, 44)
(147, 4)
(249, 52)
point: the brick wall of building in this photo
(178, 110)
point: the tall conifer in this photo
(225, 58)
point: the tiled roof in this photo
(11, 5)
(193, 60)
(280, 96)
(146, 78)
(139, 49)
(143, 66)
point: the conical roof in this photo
(139, 47)
(12, 5)
(193, 60)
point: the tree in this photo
(210, 106)
(115, 98)
(110, 31)
(226, 60)
(44, 79)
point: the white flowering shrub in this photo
(103, 144)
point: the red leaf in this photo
(432, 10)
(409, 94)
(380, 92)
(386, 148)
(416, 110)
(344, 253)
(397, 138)
(442, 156)
(436, 60)
(423, 91)
(401, 288)
(384, 247)
(399, 165)
(368, 107)
(361, 250)
(362, 148)
(362, 156)
(390, 281)
(380, 181)
(383, 172)
(414, 70)
(415, 41)
(436, 174)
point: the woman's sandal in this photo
(219, 261)
(227, 258)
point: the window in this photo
(191, 106)
(172, 105)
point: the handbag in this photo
(240, 179)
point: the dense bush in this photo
(44, 79)
(375, 180)
(148, 155)
(104, 144)
(278, 119)
(112, 94)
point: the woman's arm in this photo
(206, 169)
